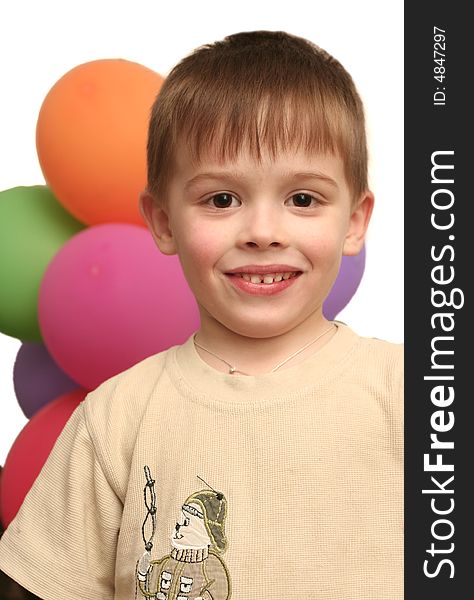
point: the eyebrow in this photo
(313, 175)
(232, 176)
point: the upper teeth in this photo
(266, 277)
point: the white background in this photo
(41, 40)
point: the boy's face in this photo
(292, 214)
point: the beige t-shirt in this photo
(302, 494)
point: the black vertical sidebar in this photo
(439, 335)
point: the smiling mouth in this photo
(265, 278)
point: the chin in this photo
(260, 329)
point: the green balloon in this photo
(33, 227)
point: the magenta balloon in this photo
(109, 299)
(346, 284)
(37, 378)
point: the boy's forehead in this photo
(287, 163)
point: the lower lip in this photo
(261, 289)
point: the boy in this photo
(263, 457)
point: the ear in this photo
(359, 221)
(157, 221)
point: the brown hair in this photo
(254, 90)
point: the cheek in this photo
(200, 248)
(323, 249)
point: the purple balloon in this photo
(37, 379)
(346, 284)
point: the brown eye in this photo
(303, 200)
(222, 200)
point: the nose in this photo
(264, 226)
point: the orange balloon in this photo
(91, 139)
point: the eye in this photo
(222, 200)
(304, 200)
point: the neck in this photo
(258, 355)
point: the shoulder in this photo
(127, 392)
(380, 354)
(376, 376)
(382, 380)
(378, 364)
(113, 412)
(216, 562)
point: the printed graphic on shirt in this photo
(194, 569)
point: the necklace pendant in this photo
(231, 370)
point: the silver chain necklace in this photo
(233, 369)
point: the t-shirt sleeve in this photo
(62, 543)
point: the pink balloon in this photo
(109, 299)
(30, 451)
